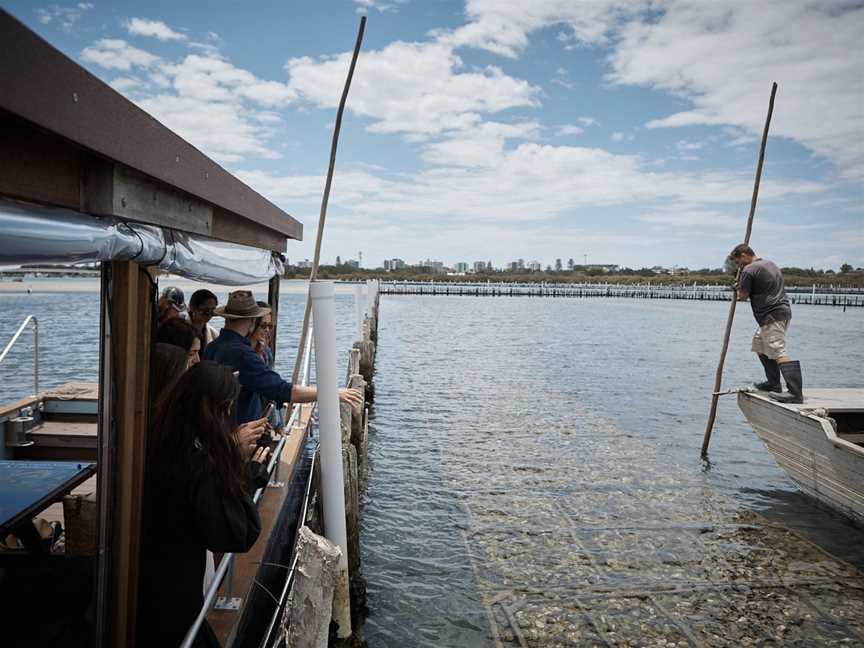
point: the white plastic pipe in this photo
(358, 310)
(332, 479)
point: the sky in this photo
(621, 132)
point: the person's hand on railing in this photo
(353, 396)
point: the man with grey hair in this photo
(761, 281)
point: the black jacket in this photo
(182, 519)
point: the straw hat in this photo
(241, 305)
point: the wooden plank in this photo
(116, 190)
(63, 434)
(77, 106)
(35, 166)
(11, 409)
(834, 400)
(130, 354)
(231, 227)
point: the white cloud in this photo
(480, 146)
(570, 129)
(587, 121)
(224, 110)
(154, 28)
(813, 50)
(125, 84)
(502, 26)
(617, 136)
(223, 130)
(528, 183)
(66, 17)
(688, 47)
(363, 6)
(417, 89)
(117, 54)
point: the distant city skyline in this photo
(627, 130)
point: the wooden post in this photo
(125, 409)
(718, 376)
(311, 603)
(273, 300)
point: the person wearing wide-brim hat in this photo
(258, 383)
(241, 305)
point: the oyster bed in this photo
(595, 540)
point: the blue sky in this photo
(500, 129)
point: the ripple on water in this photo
(548, 478)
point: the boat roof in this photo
(73, 141)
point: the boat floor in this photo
(845, 399)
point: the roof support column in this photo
(124, 421)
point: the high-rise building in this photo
(479, 266)
(461, 266)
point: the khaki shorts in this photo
(770, 339)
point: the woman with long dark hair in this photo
(180, 333)
(198, 496)
(170, 362)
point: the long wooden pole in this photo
(718, 376)
(324, 200)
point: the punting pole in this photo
(718, 376)
(332, 479)
(325, 199)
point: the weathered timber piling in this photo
(310, 605)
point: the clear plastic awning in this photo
(32, 233)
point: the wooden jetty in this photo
(820, 443)
(830, 297)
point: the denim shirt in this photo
(257, 380)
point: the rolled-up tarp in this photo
(31, 233)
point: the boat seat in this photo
(60, 440)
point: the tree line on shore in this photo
(847, 276)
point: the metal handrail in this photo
(228, 558)
(30, 318)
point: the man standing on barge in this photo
(761, 281)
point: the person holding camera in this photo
(201, 473)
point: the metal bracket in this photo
(227, 604)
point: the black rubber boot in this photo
(772, 373)
(792, 375)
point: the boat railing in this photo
(226, 565)
(28, 320)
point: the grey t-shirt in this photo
(763, 280)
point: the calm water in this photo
(524, 451)
(535, 475)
